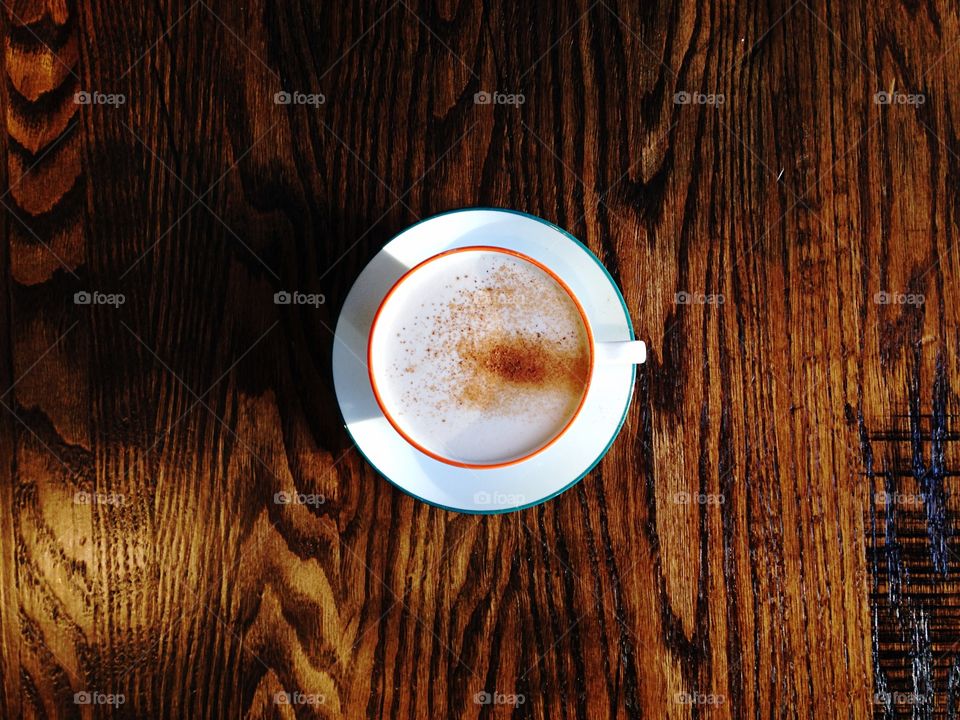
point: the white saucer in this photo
(500, 489)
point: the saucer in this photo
(500, 489)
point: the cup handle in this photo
(629, 352)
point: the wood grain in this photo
(785, 243)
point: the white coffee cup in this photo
(426, 386)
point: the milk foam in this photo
(480, 357)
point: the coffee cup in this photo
(482, 357)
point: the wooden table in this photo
(772, 185)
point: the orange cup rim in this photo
(396, 425)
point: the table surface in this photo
(772, 185)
